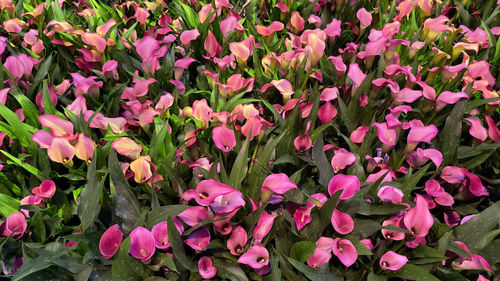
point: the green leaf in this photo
(127, 268)
(23, 131)
(367, 209)
(230, 271)
(127, 207)
(373, 277)
(48, 105)
(414, 272)
(89, 206)
(32, 170)
(477, 103)
(450, 135)
(8, 205)
(411, 180)
(30, 110)
(240, 166)
(275, 269)
(475, 232)
(31, 266)
(161, 213)
(302, 250)
(319, 158)
(312, 274)
(360, 247)
(178, 247)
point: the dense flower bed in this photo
(250, 140)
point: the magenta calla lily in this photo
(199, 239)
(224, 138)
(418, 219)
(256, 257)
(278, 183)
(392, 261)
(345, 251)
(342, 222)
(15, 225)
(46, 189)
(142, 244)
(110, 241)
(237, 240)
(348, 184)
(206, 268)
(208, 190)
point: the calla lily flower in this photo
(419, 219)
(84, 148)
(419, 133)
(356, 75)
(142, 169)
(206, 268)
(46, 189)
(342, 222)
(358, 135)
(127, 147)
(448, 97)
(302, 215)
(477, 130)
(433, 188)
(228, 202)
(342, 159)
(256, 257)
(323, 252)
(303, 142)
(391, 194)
(199, 239)
(237, 241)
(58, 126)
(391, 234)
(193, 215)
(274, 27)
(493, 131)
(278, 184)
(60, 150)
(110, 241)
(345, 251)
(348, 184)
(433, 154)
(364, 17)
(392, 261)
(263, 226)
(142, 244)
(208, 190)
(224, 138)
(15, 225)
(211, 45)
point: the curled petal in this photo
(256, 257)
(206, 268)
(345, 251)
(110, 241)
(392, 261)
(342, 222)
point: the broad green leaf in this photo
(163, 212)
(230, 270)
(312, 274)
(449, 136)
(8, 205)
(302, 250)
(414, 272)
(178, 247)
(475, 231)
(319, 158)
(411, 180)
(89, 206)
(127, 268)
(373, 277)
(240, 166)
(127, 207)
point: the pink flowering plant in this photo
(250, 140)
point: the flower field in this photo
(250, 140)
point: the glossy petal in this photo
(392, 261)
(110, 241)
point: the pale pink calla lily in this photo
(391, 194)
(84, 148)
(60, 150)
(364, 17)
(127, 147)
(358, 135)
(110, 241)
(392, 261)
(142, 169)
(448, 97)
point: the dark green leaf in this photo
(127, 268)
(89, 206)
(178, 247)
(414, 272)
(302, 250)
